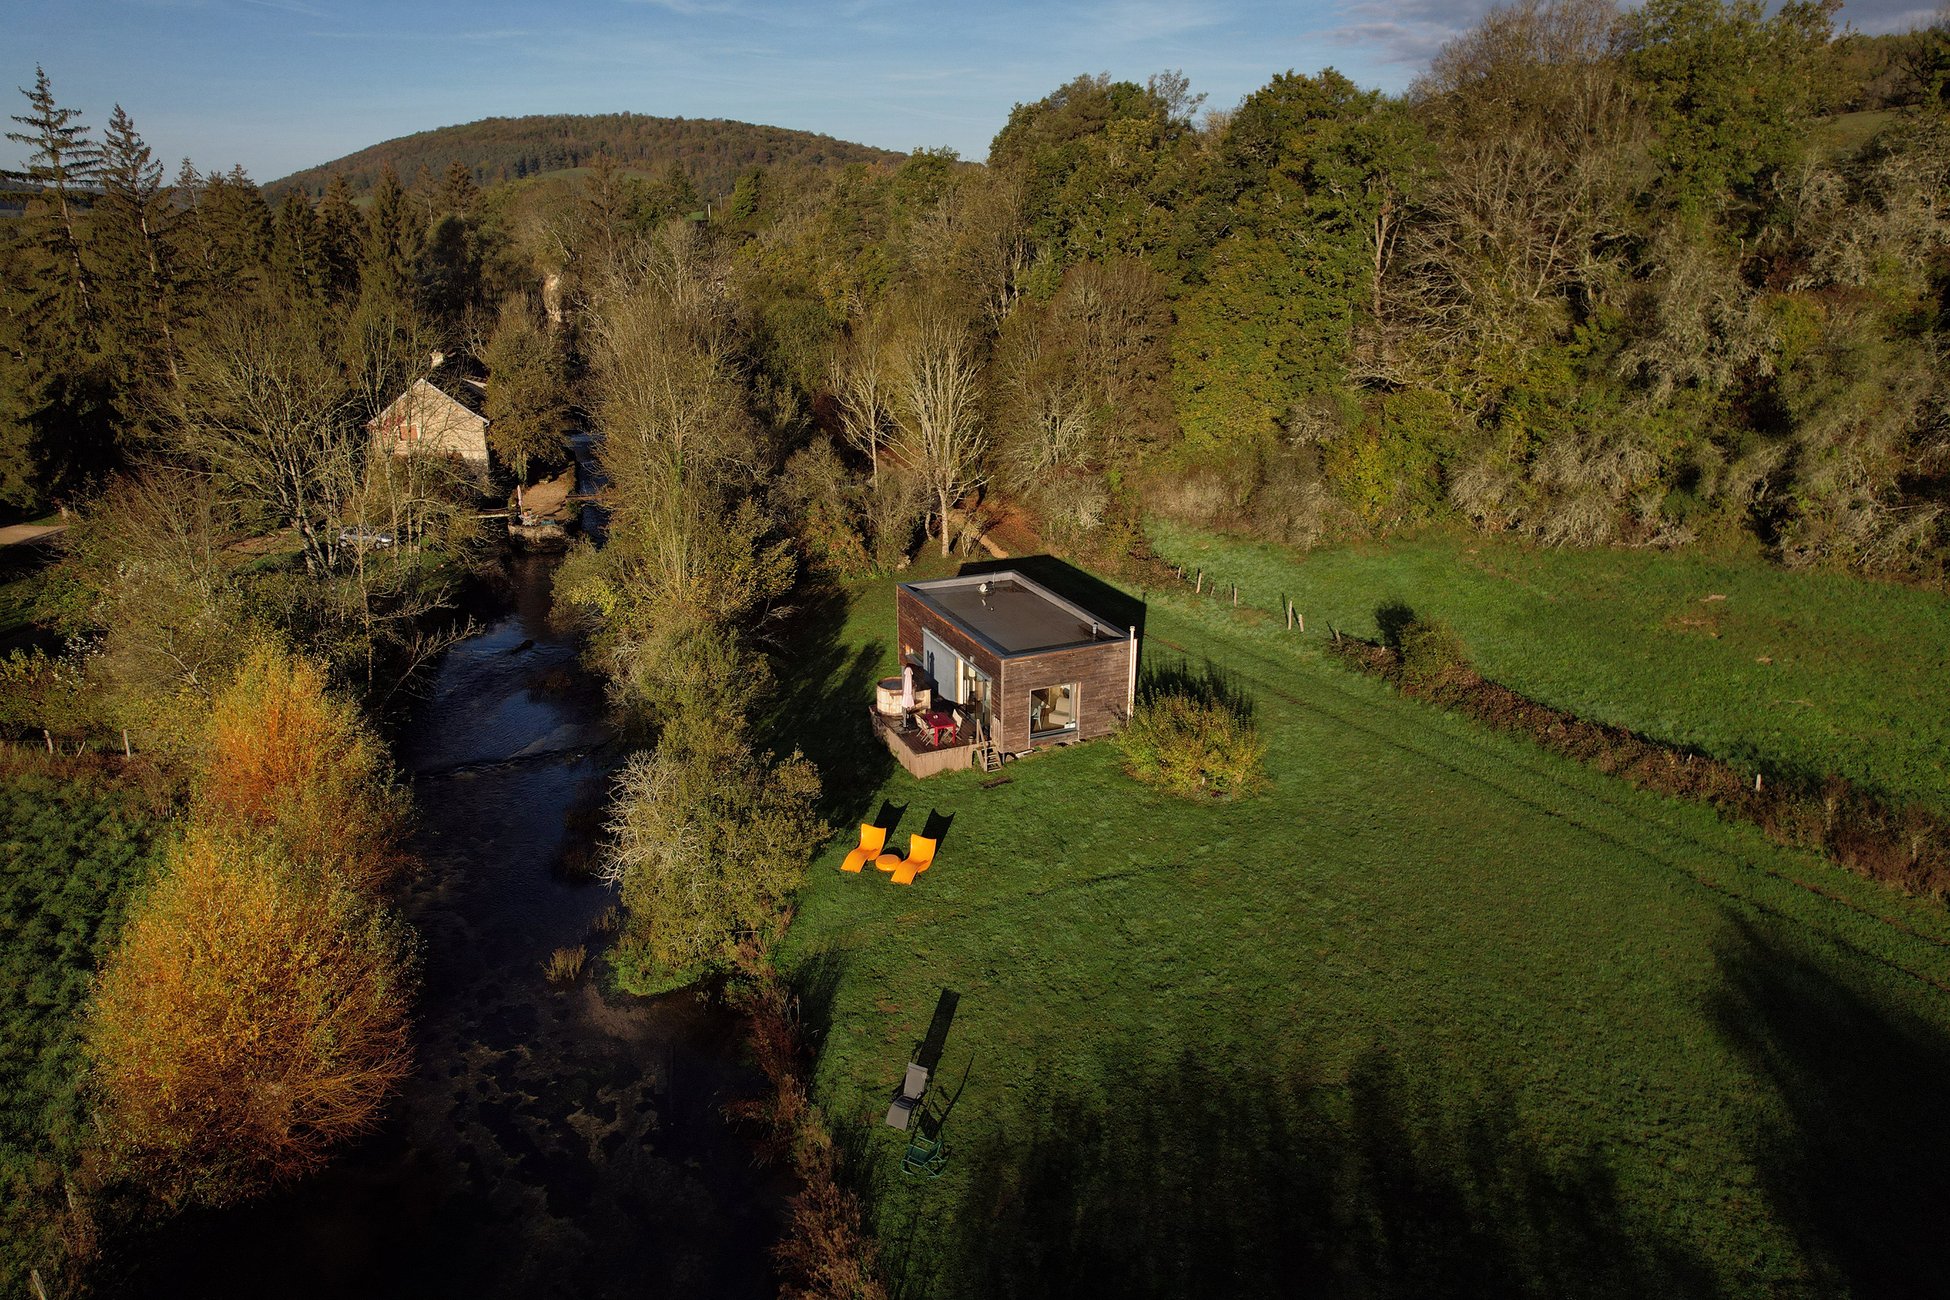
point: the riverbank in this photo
(550, 1140)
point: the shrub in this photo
(252, 1017)
(564, 965)
(1195, 735)
(708, 840)
(290, 761)
(1433, 657)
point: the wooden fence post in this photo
(126, 751)
(1198, 588)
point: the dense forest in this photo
(1674, 276)
(495, 149)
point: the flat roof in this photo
(1011, 614)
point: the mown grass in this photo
(1795, 674)
(72, 848)
(1436, 1014)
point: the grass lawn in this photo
(1438, 1014)
(1797, 674)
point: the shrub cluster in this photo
(1195, 735)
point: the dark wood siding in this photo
(912, 617)
(1100, 672)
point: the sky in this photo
(279, 85)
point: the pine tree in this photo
(297, 258)
(131, 249)
(394, 235)
(62, 163)
(341, 239)
(458, 193)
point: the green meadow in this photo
(1438, 1013)
(1796, 674)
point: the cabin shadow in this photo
(1856, 1159)
(1213, 1174)
(819, 704)
(1114, 605)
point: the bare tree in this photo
(858, 372)
(264, 406)
(936, 394)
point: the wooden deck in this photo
(919, 755)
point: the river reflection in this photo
(551, 1142)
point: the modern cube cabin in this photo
(1020, 666)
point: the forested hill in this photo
(712, 150)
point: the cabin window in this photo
(1052, 711)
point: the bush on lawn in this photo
(1195, 735)
(1432, 656)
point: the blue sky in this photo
(282, 84)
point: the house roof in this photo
(464, 393)
(1011, 614)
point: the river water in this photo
(552, 1142)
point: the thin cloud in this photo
(290, 7)
(1404, 35)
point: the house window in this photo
(1052, 711)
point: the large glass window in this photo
(1052, 710)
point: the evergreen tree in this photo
(394, 236)
(458, 193)
(298, 264)
(62, 163)
(132, 251)
(341, 240)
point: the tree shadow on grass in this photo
(823, 692)
(1216, 1175)
(1205, 683)
(1856, 1159)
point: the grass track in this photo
(1441, 1013)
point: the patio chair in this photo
(872, 840)
(920, 856)
(913, 1086)
(925, 1156)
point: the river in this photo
(552, 1141)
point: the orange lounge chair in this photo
(920, 855)
(871, 840)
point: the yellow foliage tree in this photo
(290, 761)
(253, 1016)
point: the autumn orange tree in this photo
(254, 1014)
(294, 763)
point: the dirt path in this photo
(22, 534)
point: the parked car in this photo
(364, 537)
